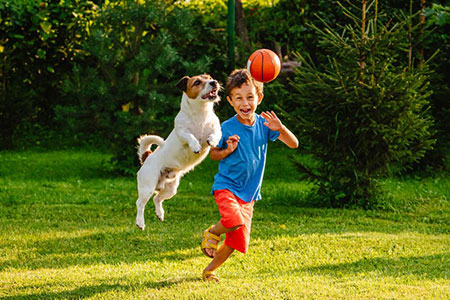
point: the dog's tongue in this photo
(212, 94)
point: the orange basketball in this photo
(264, 65)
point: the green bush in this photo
(364, 113)
(284, 24)
(438, 26)
(208, 29)
(102, 72)
(125, 87)
(38, 42)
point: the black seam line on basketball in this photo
(262, 65)
(273, 64)
(253, 66)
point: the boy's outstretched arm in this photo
(219, 153)
(286, 136)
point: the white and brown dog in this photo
(197, 128)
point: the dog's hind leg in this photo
(144, 196)
(170, 189)
(145, 191)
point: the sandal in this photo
(210, 276)
(207, 235)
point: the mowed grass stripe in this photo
(67, 232)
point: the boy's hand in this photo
(286, 136)
(272, 121)
(232, 143)
(219, 153)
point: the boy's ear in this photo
(229, 99)
(182, 84)
(260, 97)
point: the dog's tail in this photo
(145, 141)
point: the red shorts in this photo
(235, 212)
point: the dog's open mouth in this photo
(211, 95)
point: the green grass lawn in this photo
(67, 232)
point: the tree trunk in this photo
(410, 35)
(422, 28)
(241, 25)
(362, 60)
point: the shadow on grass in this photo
(107, 235)
(58, 236)
(128, 246)
(431, 267)
(114, 237)
(92, 290)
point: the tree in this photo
(241, 25)
(364, 113)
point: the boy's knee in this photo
(236, 227)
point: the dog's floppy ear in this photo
(182, 84)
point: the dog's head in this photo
(200, 88)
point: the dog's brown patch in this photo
(196, 84)
(145, 155)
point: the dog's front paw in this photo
(212, 141)
(195, 147)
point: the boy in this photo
(242, 154)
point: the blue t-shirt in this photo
(242, 171)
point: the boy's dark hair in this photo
(241, 76)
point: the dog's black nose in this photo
(213, 83)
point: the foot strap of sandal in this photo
(207, 235)
(210, 276)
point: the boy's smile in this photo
(245, 100)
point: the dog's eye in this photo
(197, 82)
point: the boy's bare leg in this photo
(218, 229)
(221, 256)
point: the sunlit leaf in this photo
(47, 27)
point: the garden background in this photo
(360, 210)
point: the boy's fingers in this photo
(266, 115)
(273, 114)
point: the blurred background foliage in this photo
(100, 73)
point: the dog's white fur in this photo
(197, 128)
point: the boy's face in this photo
(245, 100)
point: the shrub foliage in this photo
(102, 72)
(38, 43)
(364, 113)
(135, 57)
